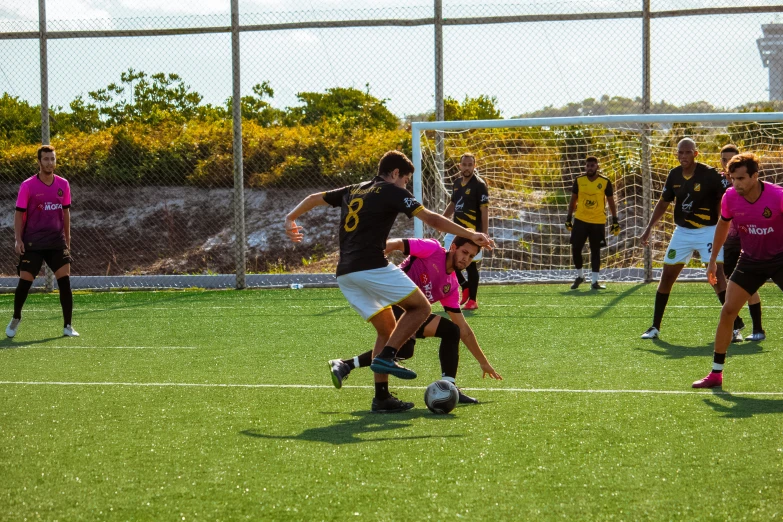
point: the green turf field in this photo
(219, 406)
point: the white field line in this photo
(323, 386)
(72, 347)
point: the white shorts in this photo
(685, 241)
(371, 291)
(448, 238)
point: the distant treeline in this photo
(155, 130)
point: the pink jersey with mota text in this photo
(43, 212)
(760, 224)
(426, 267)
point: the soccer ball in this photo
(441, 397)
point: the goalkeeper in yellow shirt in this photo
(587, 219)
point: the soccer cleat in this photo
(470, 305)
(578, 281)
(465, 296)
(12, 327)
(391, 367)
(736, 336)
(466, 399)
(710, 381)
(757, 336)
(340, 372)
(597, 286)
(651, 333)
(68, 331)
(391, 404)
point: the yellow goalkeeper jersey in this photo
(591, 201)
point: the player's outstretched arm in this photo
(721, 233)
(467, 336)
(442, 224)
(394, 245)
(658, 212)
(292, 230)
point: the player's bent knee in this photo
(447, 330)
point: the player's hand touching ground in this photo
(489, 370)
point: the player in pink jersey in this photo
(42, 230)
(756, 208)
(433, 269)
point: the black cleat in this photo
(465, 399)
(340, 372)
(597, 286)
(391, 404)
(578, 281)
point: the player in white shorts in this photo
(367, 279)
(696, 190)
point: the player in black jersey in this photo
(366, 278)
(470, 208)
(696, 190)
(731, 254)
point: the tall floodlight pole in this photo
(646, 137)
(239, 183)
(45, 133)
(771, 51)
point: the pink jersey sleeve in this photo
(725, 204)
(423, 247)
(451, 300)
(23, 197)
(67, 194)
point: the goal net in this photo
(530, 166)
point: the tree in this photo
(346, 105)
(480, 108)
(20, 122)
(255, 108)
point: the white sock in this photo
(579, 272)
(595, 277)
(716, 366)
(356, 362)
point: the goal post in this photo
(530, 165)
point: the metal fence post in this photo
(646, 137)
(239, 184)
(440, 148)
(45, 133)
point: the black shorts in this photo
(731, 253)
(582, 231)
(32, 260)
(751, 275)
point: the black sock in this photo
(461, 279)
(473, 280)
(660, 308)
(722, 297)
(388, 352)
(365, 360)
(449, 347)
(755, 316)
(20, 296)
(382, 390)
(739, 324)
(66, 299)
(718, 358)
(406, 350)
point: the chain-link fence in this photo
(140, 112)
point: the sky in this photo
(526, 66)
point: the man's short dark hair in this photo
(730, 147)
(44, 148)
(459, 241)
(747, 160)
(591, 159)
(395, 159)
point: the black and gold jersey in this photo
(368, 211)
(696, 199)
(468, 199)
(591, 200)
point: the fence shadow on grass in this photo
(742, 407)
(8, 344)
(353, 430)
(676, 351)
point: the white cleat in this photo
(756, 336)
(68, 331)
(651, 333)
(12, 327)
(736, 336)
